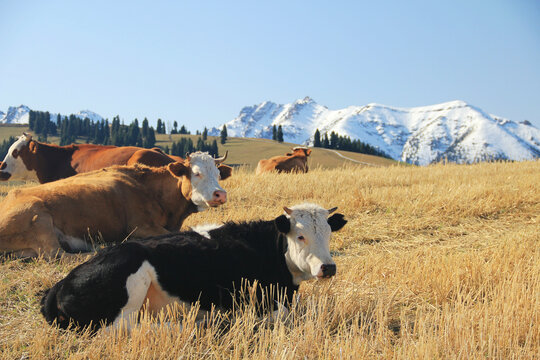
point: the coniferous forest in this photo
(338, 142)
(71, 127)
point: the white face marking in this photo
(204, 180)
(14, 164)
(308, 241)
(205, 229)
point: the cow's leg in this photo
(149, 230)
(46, 238)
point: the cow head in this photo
(15, 163)
(198, 177)
(300, 150)
(308, 229)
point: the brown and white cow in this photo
(110, 204)
(291, 162)
(28, 159)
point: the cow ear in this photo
(283, 224)
(336, 221)
(178, 169)
(308, 152)
(33, 146)
(224, 171)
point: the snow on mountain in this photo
(15, 115)
(89, 114)
(20, 115)
(454, 130)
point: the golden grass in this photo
(435, 262)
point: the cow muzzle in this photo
(327, 271)
(219, 197)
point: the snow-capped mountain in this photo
(15, 115)
(454, 130)
(20, 115)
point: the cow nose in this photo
(328, 270)
(2, 165)
(220, 196)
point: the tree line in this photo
(338, 142)
(69, 128)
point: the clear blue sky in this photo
(200, 62)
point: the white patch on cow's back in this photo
(203, 186)
(15, 165)
(137, 285)
(205, 229)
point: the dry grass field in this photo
(438, 262)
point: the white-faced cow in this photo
(28, 159)
(110, 204)
(295, 162)
(188, 267)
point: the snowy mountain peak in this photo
(16, 115)
(21, 115)
(453, 130)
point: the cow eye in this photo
(197, 174)
(301, 238)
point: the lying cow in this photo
(112, 204)
(188, 267)
(291, 162)
(28, 159)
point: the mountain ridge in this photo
(454, 130)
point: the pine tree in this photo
(183, 129)
(145, 128)
(326, 142)
(175, 128)
(205, 134)
(223, 135)
(214, 151)
(279, 134)
(274, 132)
(317, 139)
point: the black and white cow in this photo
(188, 267)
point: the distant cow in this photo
(28, 159)
(110, 204)
(188, 267)
(291, 162)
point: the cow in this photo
(188, 267)
(28, 159)
(291, 162)
(111, 204)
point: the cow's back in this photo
(93, 157)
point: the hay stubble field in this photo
(435, 262)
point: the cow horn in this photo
(27, 135)
(332, 210)
(187, 156)
(221, 159)
(287, 210)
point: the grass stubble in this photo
(435, 262)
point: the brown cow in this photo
(28, 159)
(111, 203)
(291, 162)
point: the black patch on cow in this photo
(336, 221)
(283, 224)
(188, 265)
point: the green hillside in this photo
(248, 151)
